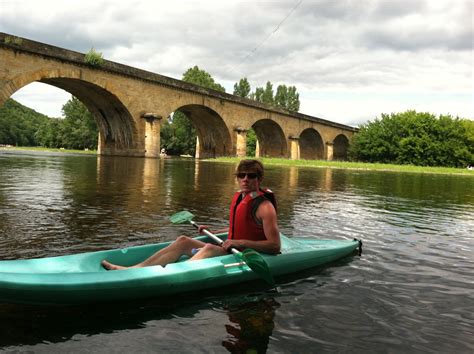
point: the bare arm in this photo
(267, 214)
(205, 227)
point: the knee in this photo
(182, 240)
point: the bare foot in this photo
(110, 266)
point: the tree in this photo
(281, 96)
(257, 95)
(264, 95)
(415, 138)
(251, 142)
(285, 97)
(288, 98)
(242, 88)
(178, 135)
(18, 124)
(293, 100)
(78, 130)
(79, 126)
(267, 95)
(50, 134)
(202, 78)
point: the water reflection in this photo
(250, 326)
(46, 324)
(247, 320)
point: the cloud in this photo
(325, 48)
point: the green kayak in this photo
(80, 278)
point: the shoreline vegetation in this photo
(348, 165)
(47, 150)
(363, 166)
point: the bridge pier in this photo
(329, 150)
(198, 148)
(241, 142)
(294, 148)
(257, 150)
(152, 134)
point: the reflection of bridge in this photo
(129, 103)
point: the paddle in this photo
(251, 257)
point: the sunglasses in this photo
(249, 175)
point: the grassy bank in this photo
(43, 149)
(297, 163)
(354, 165)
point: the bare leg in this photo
(208, 251)
(182, 246)
(110, 266)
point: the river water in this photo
(411, 290)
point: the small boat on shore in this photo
(80, 278)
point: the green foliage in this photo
(22, 126)
(94, 58)
(13, 40)
(242, 88)
(264, 95)
(267, 94)
(351, 165)
(415, 138)
(202, 78)
(178, 135)
(257, 95)
(78, 130)
(285, 97)
(281, 96)
(80, 127)
(293, 100)
(251, 142)
(18, 124)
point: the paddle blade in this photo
(256, 262)
(181, 217)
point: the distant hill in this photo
(19, 124)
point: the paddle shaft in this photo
(249, 256)
(214, 237)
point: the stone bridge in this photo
(129, 105)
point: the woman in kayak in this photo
(252, 224)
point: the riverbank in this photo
(296, 163)
(354, 165)
(47, 150)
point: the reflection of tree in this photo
(251, 325)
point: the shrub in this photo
(94, 58)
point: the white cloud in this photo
(43, 98)
(350, 60)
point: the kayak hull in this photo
(80, 278)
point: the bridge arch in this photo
(340, 147)
(311, 145)
(213, 136)
(271, 140)
(115, 123)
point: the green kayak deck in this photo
(80, 278)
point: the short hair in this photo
(250, 165)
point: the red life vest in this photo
(243, 223)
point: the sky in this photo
(350, 60)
